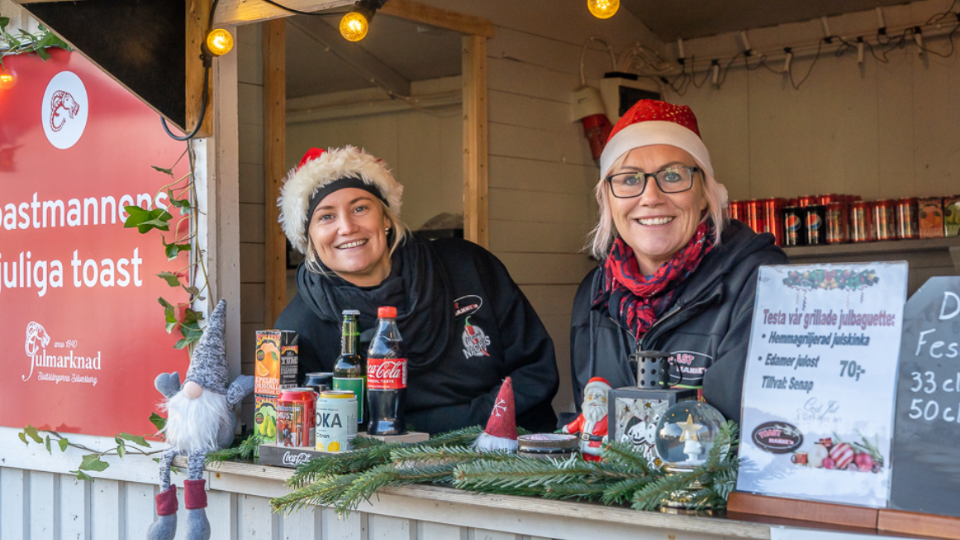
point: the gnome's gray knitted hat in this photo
(208, 367)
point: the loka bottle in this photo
(387, 377)
(349, 373)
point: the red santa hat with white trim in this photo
(501, 430)
(597, 383)
(320, 173)
(651, 122)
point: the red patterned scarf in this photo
(636, 301)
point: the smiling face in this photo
(656, 225)
(347, 230)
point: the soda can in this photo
(814, 218)
(838, 227)
(296, 415)
(824, 200)
(772, 213)
(861, 222)
(336, 421)
(908, 225)
(951, 215)
(735, 209)
(318, 382)
(753, 210)
(808, 200)
(884, 220)
(793, 227)
(931, 217)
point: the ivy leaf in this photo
(169, 313)
(121, 448)
(183, 204)
(41, 52)
(158, 421)
(32, 433)
(4, 21)
(135, 439)
(172, 279)
(82, 475)
(192, 291)
(174, 249)
(145, 220)
(91, 462)
(23, 438)
(164, 171)
(63, 444)
(190, 317)
(47, 444)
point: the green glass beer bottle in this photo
(349, 373)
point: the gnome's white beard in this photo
(196, 424)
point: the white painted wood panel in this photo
(140, 509)
(486, 534)
(257, 521)
(532, 175)
(391, 528)
(107, 504)
(75, 508)
(352, 527)
(14, 503)
(303, 524)
(546, 268)
(541, 207)
(222, 513)
(537, 237)
(439, 531)
(530, 143)
(44, 505)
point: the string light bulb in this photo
(7, 80)
(603, 9)
(354, 25)
(219, 42)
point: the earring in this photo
(387, 230)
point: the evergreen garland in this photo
(623, 477)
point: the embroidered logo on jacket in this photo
(465, 305)
(475, 341)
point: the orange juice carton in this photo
(276, 364)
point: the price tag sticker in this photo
(819, 386)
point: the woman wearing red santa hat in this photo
(676, 274)
(465, 323)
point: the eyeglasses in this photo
(631, 184)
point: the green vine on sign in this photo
(26, 42)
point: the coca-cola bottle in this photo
(387, 377)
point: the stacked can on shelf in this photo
(908, 227)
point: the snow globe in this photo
(686, 433)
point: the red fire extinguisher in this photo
(588, 108)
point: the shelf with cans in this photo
(816, 220)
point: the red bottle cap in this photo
(387, 312)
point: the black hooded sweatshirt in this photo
(706, 329)
(486, 332)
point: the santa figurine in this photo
(501, 431)
(200, 418)
(591, 425)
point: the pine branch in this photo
(520, 473)
(382, 476)
(624, 490)
(623, 453)
(325, 491)
(247, 449)
(651, 496)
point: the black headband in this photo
(337, 185)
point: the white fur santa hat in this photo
(319, 174)
(597, 383)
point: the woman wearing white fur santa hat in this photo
(465, 324)
(675, 273)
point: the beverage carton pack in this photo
(931, 217)
(951, 215)
(276, 363)
(265, 416)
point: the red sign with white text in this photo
(386, 373)
(82, 333)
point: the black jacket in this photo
(706, 329)
(460, 390)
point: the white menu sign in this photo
(820, 380)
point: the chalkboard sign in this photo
(926, 459)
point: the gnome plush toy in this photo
(200, 418)
(501, 431)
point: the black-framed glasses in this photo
(675, 179)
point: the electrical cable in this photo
(796, 86)
(583, 50)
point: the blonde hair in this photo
(602, 236)
(400, 233)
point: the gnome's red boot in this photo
(195, 500)
(165, 527)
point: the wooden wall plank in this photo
(257, 520)
(14, 503)
(333, 527)
(536, 237)
(531, 175)
(546, 268)
(530, 143)
(251, 223)
(486, 534)
(75, 515)
(252, 273)
(240, 11)
(390, 528)
(222, 513)
(441, 18)
(139, 502)
(438, 531)
(197, 15)
(540, 207)
(251, 310)
(107, 509)
(44, 505)
(303, 524)
(274, 165)
(475, 140)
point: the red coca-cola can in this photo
(735, 209)
(753, 211)
(830, 198)
(838, 223)
(908, 224)
(884, 220)
(808, 200)
(772, 213)
(297, 417)
(861, 222)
